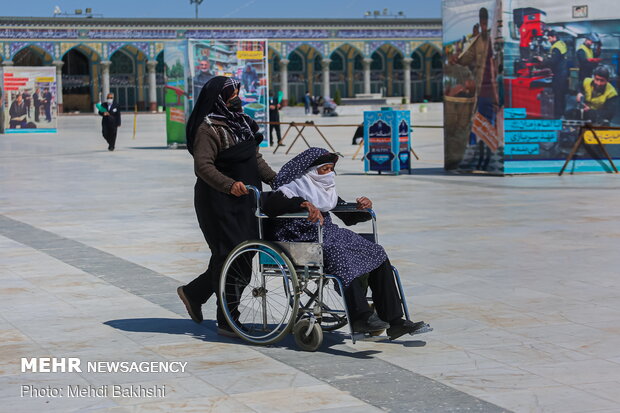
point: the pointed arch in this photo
(348, 78)
(32, 55)
(302, 72)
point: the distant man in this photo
(307, 102)
(47, 104)
(274, 116)
(17, 113)
(599, 97)
(111, 120)
(203, 76)
(588, 56)
(556, 61)
(36, 101)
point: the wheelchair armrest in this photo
(351, 207)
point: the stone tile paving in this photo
(518, 275)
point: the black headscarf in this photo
(212, 103)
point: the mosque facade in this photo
(392, 57)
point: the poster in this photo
(403, 119)
(175, 92)
(561, 71)
(29, 99)
(386, 140)
(515, 102)
(472, 85)
(190, 64)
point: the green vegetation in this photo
(176, 71)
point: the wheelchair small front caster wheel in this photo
(308, 340)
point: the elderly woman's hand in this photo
(314, 214)
(238, 189)
(363, 203)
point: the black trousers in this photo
(277, 129)
(109, 134)
(384, 295)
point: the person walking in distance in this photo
(111, 120)
(274, 116)
(307, 101)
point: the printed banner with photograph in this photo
(561, 72)
(29, 99)
(472, 85)
(245, 60)
(521, 79)
(176, 93)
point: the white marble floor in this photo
(519, 276)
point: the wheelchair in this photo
(269, 289)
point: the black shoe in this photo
(373, 324)
(407, 327)
(193, 308)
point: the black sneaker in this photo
(374, 323)
(407, 327)
(193, 308)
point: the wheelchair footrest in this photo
(367, 337)
(425, 329)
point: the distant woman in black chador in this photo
(224, 143)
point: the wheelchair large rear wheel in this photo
(259, 292)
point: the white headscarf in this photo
(318, 189)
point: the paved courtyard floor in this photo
(518, 276)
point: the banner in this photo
(176, 95)
(561, 71)
(190, 64)
(387, 141)
(29, 99)
(472, 96)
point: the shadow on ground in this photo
(335, 343)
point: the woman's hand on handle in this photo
(238, 189)
(314, 214)
(363, 203)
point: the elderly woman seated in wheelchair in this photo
(314, 277)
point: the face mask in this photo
(235, 104)
(110, 101)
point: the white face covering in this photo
(320, 190)
(110, 101)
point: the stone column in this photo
(428, 77)
(58, 64)
(367, 62)
(407, 68)
(150, 65)
(325, 66)
(284, 80)
(105, 78)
